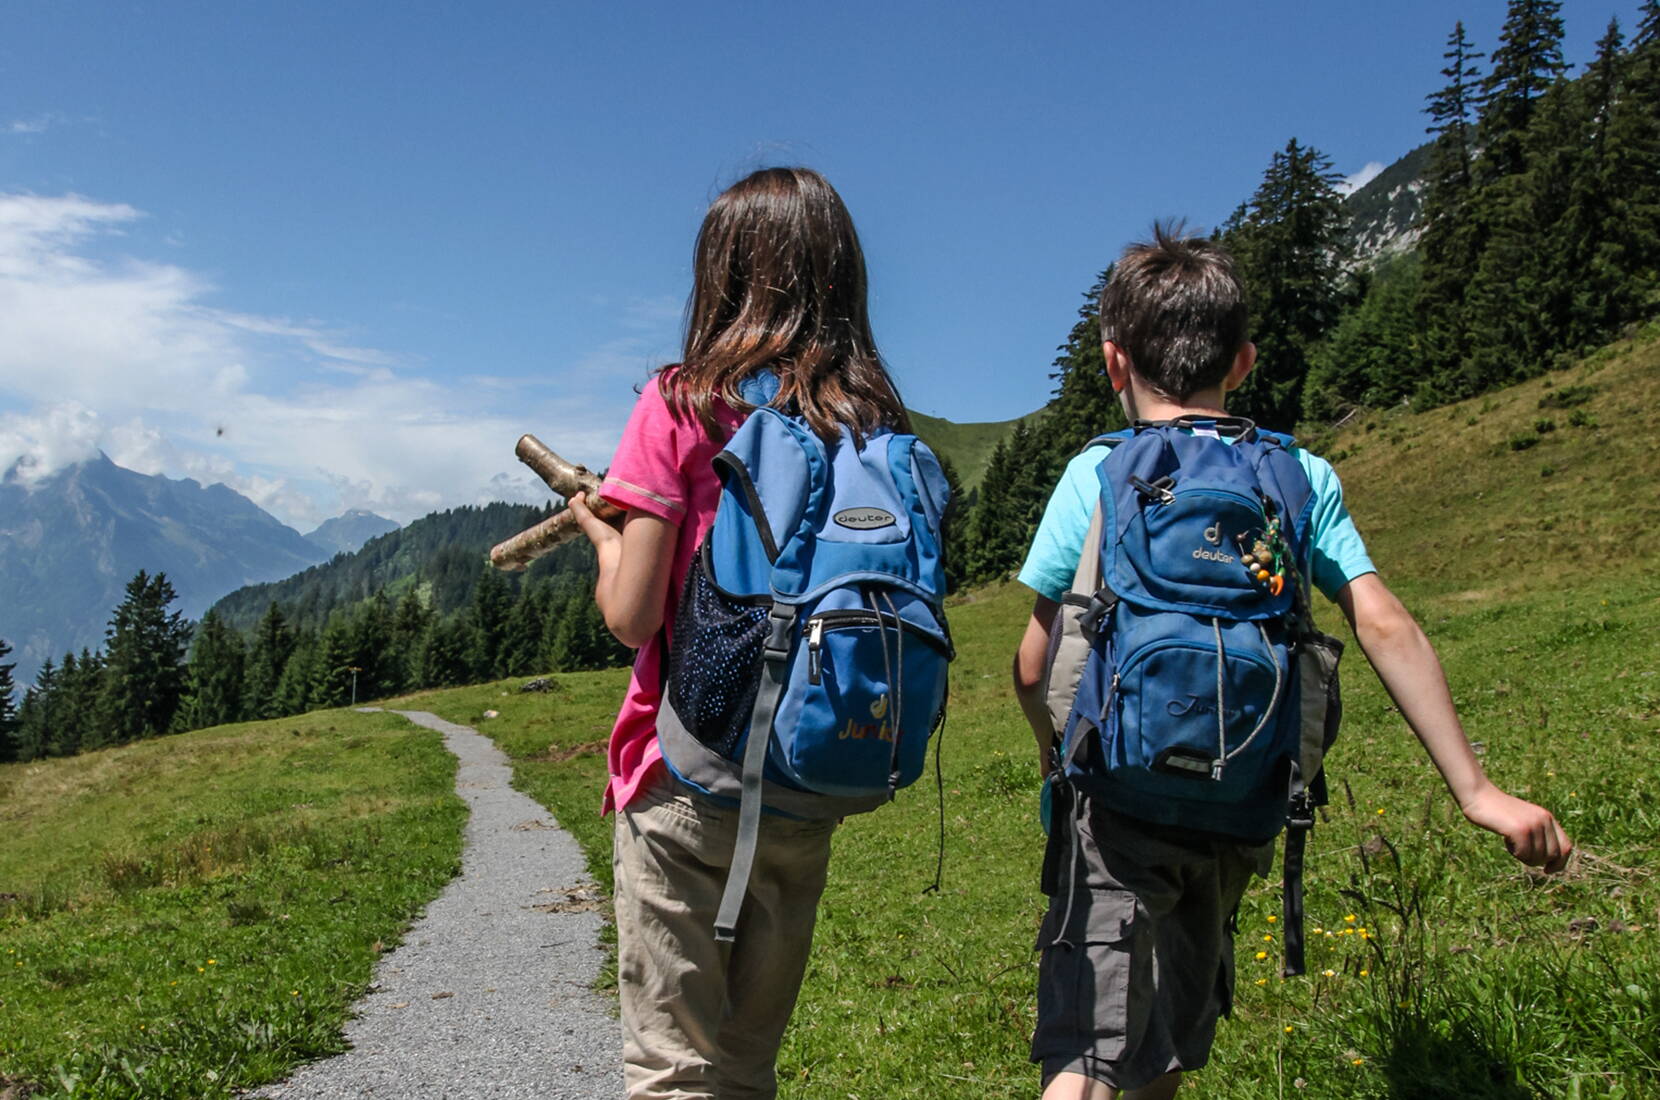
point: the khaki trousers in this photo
(703, 1019)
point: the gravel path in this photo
(490, 994)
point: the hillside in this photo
(967, 446)
(445, 551)
(1382, 214)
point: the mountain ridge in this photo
(71, 541)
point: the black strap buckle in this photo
(1299, 813)
(780, 632)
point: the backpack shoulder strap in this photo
(1108, 439)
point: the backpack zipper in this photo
(848, 618)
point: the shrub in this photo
(1567, 397)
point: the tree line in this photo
(1538, 240)
(158, 673)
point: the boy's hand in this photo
(1530, 832)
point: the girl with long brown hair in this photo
(778, 284)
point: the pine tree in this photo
(1450, 242)
(337, 669)
(522, 644)
(1630, 183)
(581, 640)
(1371, 358)
(77, 721)
(292, 694)
(1525, 65)
(954, 529)
(409, 628)
(78, 710)
(1012, 497)
(372, 649)
(8, 706)
(1291, 248)
(443, 654)
(1584, 290)
(215, 680)
(34, 714)
(1084, 404)
(491, 607)
(273, 642)
(144, 661)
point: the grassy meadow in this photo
(1519, 527)
(193, 914)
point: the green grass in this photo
(1473, 977)
(193, 914)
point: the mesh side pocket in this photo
(714, 660)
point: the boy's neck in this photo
(1143, 402)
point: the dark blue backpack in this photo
(807, 668)
(1204, 698)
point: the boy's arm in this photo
(1028, 677)
(1406, 663)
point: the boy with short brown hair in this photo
(1132, 1002)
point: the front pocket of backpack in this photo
(866, 691)
(1174, 722)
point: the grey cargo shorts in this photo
(1137, 946)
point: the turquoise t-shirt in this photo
(1339, 554)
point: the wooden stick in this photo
(565, 478)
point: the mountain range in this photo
(70, 542)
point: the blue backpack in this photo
(807, 668)
(1187, 681)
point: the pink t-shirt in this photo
(662, 467)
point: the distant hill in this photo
(443, 552)
(1383, 214)
(345, 533)
(968, 446)
(70, 543)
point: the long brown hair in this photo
(779, 282)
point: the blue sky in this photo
(341, 254)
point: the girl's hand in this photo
(1530, 832)
(598, 531)
(607, 539)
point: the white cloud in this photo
(1350, 184)
(133, 356)
(37, 125)
(37, 444)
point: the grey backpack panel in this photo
(1069, 641)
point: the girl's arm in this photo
(634, 566)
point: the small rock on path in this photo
(491, 994)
